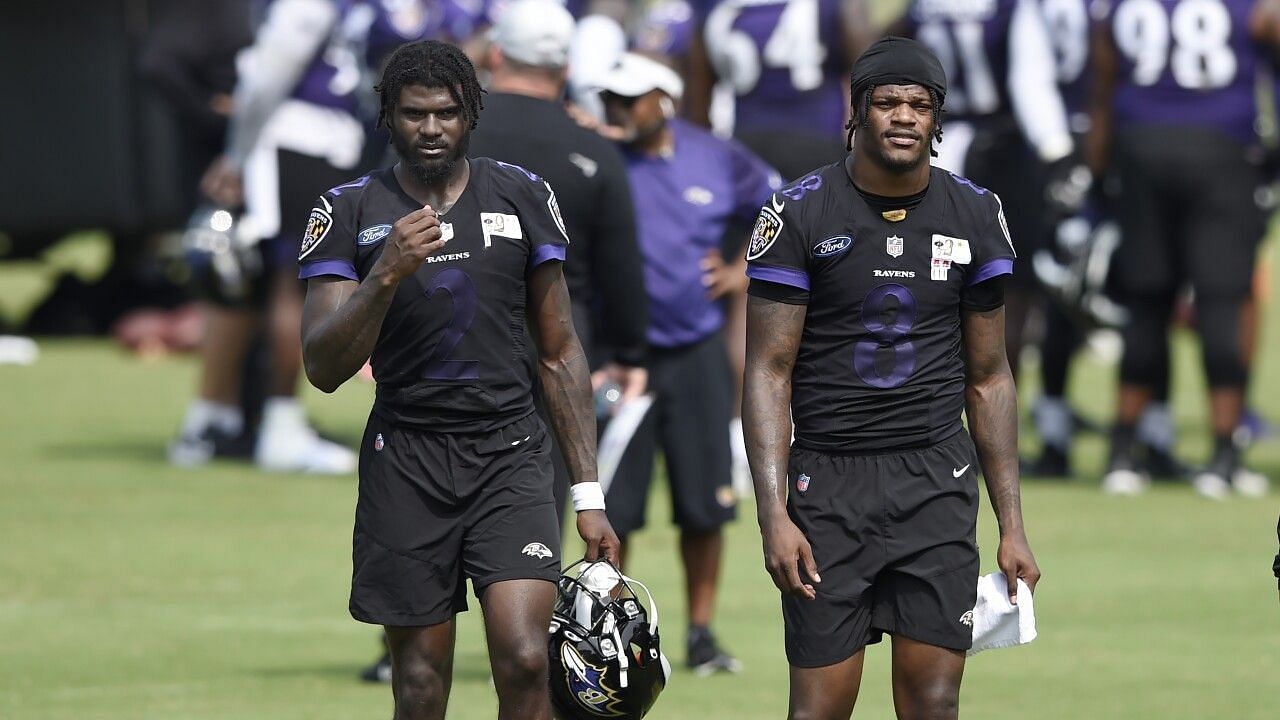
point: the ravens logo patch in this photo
(766, 231)
(318, 225)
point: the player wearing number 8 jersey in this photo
(1174, 117)
(432, 267)
(875, 318)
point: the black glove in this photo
(1067, 186)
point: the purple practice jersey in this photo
(334, 74)
(1185, 63)
(879, 365)
(785, 60)
(971, 40)
(684, 205)
(396, 22)
(667, 29)
(451, 353)
(1068, 24)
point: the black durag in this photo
(895, 61)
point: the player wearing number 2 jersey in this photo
(432, 267)
(1174, 117)
(875, 318)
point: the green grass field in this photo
(129, 589)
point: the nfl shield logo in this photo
(377, 443)
(802, 482)
(893, 246)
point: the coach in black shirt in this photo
(523, 122)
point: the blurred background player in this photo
(1173, 116)
(1007, 127)
(690, 190)
(295, 131)
(785, 63)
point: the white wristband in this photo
(587, 496)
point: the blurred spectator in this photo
(190, 56)
(691, 191)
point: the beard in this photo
(901, 162)
(430, 172)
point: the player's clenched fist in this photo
(412, 239)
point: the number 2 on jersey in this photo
(462, 291)
(890, 327)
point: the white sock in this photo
(1155, 427)
(283, 413)
(203, 414)
(1053, 421)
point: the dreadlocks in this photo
(431, 64)
(866, 108)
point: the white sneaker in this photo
(1211, 485)
(1249, 483)
(286, 443)
(1125, 482)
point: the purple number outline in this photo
(904, 352)
(462, 291)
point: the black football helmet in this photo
(1077, 269)
(605, 661)
(225, 267)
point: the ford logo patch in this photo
(832, 246)
(371, 235)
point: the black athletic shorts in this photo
(693, 404)
(436, 508)
(1187, 213)
(894, 539)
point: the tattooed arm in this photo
(341, 318)
(566, 387)
(773, 336)
(991, 402)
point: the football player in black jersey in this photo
(876, 316)
(435, 270)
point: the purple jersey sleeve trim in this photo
(341, 268)
(992, 268)
(543, 253)
(783, 276)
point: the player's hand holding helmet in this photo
(605, 660)
(225, 266)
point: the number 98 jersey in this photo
(1184, 62)
(879, 365)
(452, 352)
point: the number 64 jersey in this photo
(879, 365)
(452, 353)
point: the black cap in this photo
(897, 61)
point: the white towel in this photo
(998, 623)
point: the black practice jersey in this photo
(452, 353)
(879, 365)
